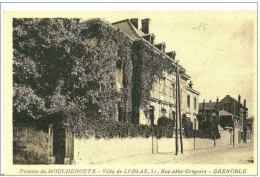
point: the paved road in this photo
(239, 154)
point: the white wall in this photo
(93, 151)
(88, 151)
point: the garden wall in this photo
(94, 151)
(30, 146)
(88, 151)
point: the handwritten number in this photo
(202, 26)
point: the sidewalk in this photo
(239, 154)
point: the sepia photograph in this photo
(131, 88)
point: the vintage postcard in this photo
(130, 92)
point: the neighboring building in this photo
(192, 106)
(239, 113)
(232, 115)
(250, 127)
(163, 93)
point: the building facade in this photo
(162, 101)
(232, 115)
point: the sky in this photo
(217, 48)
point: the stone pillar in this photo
(69, 146)
(51, 158)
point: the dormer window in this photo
(149, 37)
(161, 46)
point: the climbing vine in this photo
(66, 67)
(149, 66)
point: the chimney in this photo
(145, 25)
(239, 99)
(217, 105)
(245, 103)
(134, 21)
(190, 84)
(171, 54)
(204, 104)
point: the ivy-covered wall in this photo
(111, 46)
(148, 66)
(67, 68)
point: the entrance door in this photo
(152, 115)
(59, 144)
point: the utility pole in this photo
(234, 125)
(177, 114)
(244, 125)
(179, 105)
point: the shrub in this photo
(101, 128)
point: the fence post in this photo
(51, 157)
(156, 146)
(194, 142)
(152, 144)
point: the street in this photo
(239, 154)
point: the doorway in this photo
(59, 144)
(152, 115)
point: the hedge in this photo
(101, 128)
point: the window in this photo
(119, 72)
(151, 115)
(188, 101)
(163, 112)
(195, 103)
(173, 90)
(164, 85)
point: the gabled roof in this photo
(228, 96)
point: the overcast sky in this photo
(218, 49)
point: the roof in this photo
(193, 90)
(127, 27)
(208, 106)
(224, 113)
(130, 30)
(228, 96)
(249, 121)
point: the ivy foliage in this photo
(149, 66)
(68, 67)
(101, 128)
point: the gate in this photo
(61, 145)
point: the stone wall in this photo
(30, 146)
